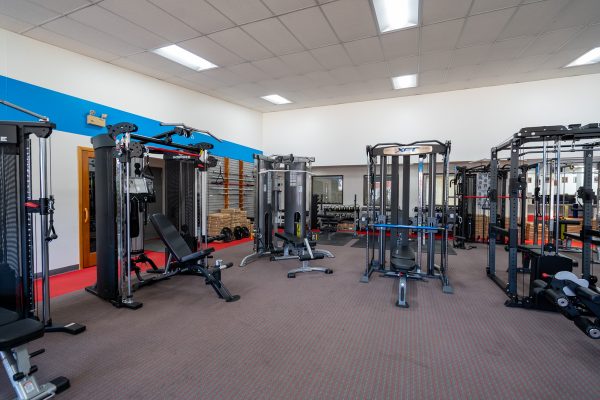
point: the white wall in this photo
(474, 120)
(53, 68)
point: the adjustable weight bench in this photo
(182, 260)
(15, 333)
(303, 251)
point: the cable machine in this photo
(119, 185)
(26, 230)
(297, 236)
(552, 285)
(406, 263)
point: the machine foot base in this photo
(133, 305)
(233, 298)
(290, 275)
(73, 328)
(447, 289)
(61, 384)
(329, 271)
(405, 305)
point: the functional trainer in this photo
(117, 186)
(406, 263)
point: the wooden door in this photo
(87, 212)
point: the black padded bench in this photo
(182, 260)
(15, 333)
(536, 251)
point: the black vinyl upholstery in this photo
(15, 332)
(174, 241)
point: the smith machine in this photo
(406, 263)
(123, 189)
(552, 284)
(296, 236)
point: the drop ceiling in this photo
(318, 52)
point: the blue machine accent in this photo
(69, 115)
(415, 227)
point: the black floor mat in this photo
(362, 243)
(335, 238)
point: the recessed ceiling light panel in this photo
(276, 99)
(396, 14)
(591, 57)
(404, 81)
(184, 57)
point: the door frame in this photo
(83, 188)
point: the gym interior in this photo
(299, 199)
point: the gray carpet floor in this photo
(319, 337)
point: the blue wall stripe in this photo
(69, 115)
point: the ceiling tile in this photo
(404, 66)
(435, 77)
(14, 25)
(159, 63)
(434, 61)
(400, 43)
(588, 39)
(375, 71)
(310, 27)
(110, 23)
(365, 51)
(62, 6)
(248, 72)
(136, 65)
(346, 75)
(274, 67)
(285, 6)
(222, 75)
(443, 10)
(321, 78)
(485, 28)
(469, 55)
(351, 19)
(27, 12)
(461, 73)
(480, 6)
(534, 18)
(274, 36)
(495, 68)
(68, 43)
(550, 42)
(206, 48)
(332, 57)
(240, 43)
(92, 37)
(442, 36)
(242, 11)
(203, 80)
(510, 48)
(294, 83)
(149, 16)
(526, 64)
(198, 14)
(301, 63)
(578, 12)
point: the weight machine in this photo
(26, 230)
(406, 263)
(551, 282)
(119, 185)
(297, 237)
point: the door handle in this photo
(86, 214)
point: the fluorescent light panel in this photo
(404, 81)
(184, 57)
(276, 99)
(591, 57)
(396, 14)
